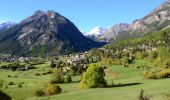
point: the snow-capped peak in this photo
(6, 25)
(99, 31)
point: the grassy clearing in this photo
(130, 79)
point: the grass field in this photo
(127, 85)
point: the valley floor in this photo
(127, 85)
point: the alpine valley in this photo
(46, 57)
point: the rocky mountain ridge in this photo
(45, 33)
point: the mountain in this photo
(114, 30)
(6, 25)
(156, 20)
(101, 34)
(44, 33)
(96, 33)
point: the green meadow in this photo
(124, 84)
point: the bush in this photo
(150, 75)
(4, 96)
(9, 75)
(154, 55)
(20, 84)
(142, 97)
(58, 76)
(52, 89)
(49, 72)
(39, 92)
(138, 55)
(158, 74)
(67, 78)
(93, 77)
(163, 74)
(158, 62)
(52, 64)
(167, 63)
(37, 74)
(144, 54)
(110, 61)
(14, 66)
(11, 83)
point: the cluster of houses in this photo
(76, 58)
(15, 59)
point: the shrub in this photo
(142, 97)
(73, 69)
(58, 76)
(52, 64)
(37, 74)
(14, 66)
(163, 74)
(44, 73)
(167, 63)
(108, 61)
(39, 92)
(154, 55)
(144, 54)
(138, 55)
(158, 62)
(9, 75)
(52, 89)
(20, 84)
(49, 72)
(67, 78)
(150, 75)
(4, 96)
(158, 74)
(93, 77)
(11, 83)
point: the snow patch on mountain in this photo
(98, 31)
(7, 25)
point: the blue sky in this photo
(85, 14)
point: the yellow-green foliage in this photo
(60, 77)
(158, 62)
(163, 57)
(138, 55)
(158, 74)
(57, 76)
(152, 55)
(52, 89)
(110, 61)
(93, 77)
(48, 90)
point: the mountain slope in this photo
(44, 33)
(96, 33)
(114, 30)
(101, 34)
(6, 25)
(158, 19)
